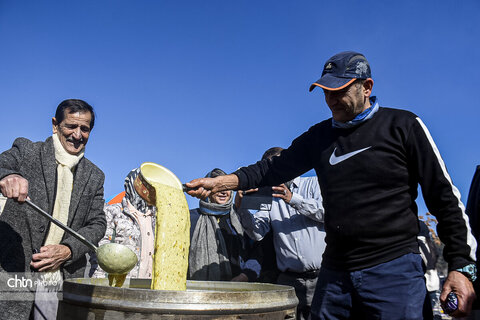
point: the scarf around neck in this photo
(359, 118)
(215, 209)
(66, 163)
(209, 258)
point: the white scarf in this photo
(66, 163)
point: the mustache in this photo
(73, 140)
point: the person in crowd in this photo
(369, 161)
(295, 217)
(55, 176)
(219, 247)
(429, 255)
(130, 223)
(473, 212)
(268, 270)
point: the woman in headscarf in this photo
(219, 248)
(131, 223)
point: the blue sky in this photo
(194, 85)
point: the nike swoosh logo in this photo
(336, 160)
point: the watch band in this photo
(470, 271)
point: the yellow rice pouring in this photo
(172, 239)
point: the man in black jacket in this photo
(369, 161)
(473, 212)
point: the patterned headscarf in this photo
(132, 195)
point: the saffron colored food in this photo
(172, 239)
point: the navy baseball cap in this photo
(342, 69)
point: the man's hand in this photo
(282, 192)
(50, 257)
(459, 284)
(204, 187)
(242, 277)
(14, 186)
(240, 194)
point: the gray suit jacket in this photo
(22, 230)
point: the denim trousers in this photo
(391, 290)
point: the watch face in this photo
(470, 271)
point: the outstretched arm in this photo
(203, 187)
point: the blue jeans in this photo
(391, 290)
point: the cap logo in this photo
(362, 68)
(341, 69)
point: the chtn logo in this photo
(17, 282)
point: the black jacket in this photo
(369, 177)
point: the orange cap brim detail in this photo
(333, 89)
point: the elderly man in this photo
(296, 218)
(369, 161)
(57, 177)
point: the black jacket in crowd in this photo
(369, 175)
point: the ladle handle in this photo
(61, 225)
(185, 188)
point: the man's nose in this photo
(77, 133)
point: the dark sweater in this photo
(369, 197)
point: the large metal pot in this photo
(94, 299)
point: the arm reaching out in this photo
(203, 187)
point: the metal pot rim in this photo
(209, 297)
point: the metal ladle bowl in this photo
(114, 258)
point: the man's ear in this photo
(367, 87)
(54, 125)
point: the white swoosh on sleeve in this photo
(336, 160)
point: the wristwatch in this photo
(469, 271)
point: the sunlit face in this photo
(221, 197)
(345, 104)
(73, 131)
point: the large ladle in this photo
(151, 172)
(113, 258)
